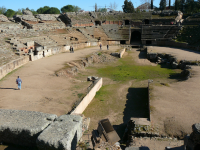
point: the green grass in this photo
(127, 69)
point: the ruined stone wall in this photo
(5, 69)
(88, 98)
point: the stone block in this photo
(22, 127)
(62, 134)
(39, 48)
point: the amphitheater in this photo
(47, 114)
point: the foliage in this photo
(33, 11)
(42, 10)
(2, 10)
(162, 4)
(95, 7)
(18, 12)
(102, 10)
(10, 13)
(190, 34)
(128, 7)
(53, 10)
(70, 8)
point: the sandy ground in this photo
(180, 54)
(177, 105)
(41, 89)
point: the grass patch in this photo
(127, 69)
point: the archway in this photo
(97, 23)
(127, 22)
(135, 37)
(146, 21)
(197, 147)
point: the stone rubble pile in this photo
(3, 18)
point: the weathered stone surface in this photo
(3, 18)
(27, 12)
(63, 134)
(22, 127)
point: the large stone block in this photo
(22, 127)
(63, 134)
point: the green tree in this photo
(151, 4)
(18, 12)
(162, 4)
(3, 10)
(70, 8)
(42, 10)
(10, 13)
(52, 10)
(33, 11)
(102, 10)
(128, 7)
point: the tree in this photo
(113, 5)
(42, 10)
(151, 4)
(19, 12)
(3, 10)
(52, 10)
(10, 13)
(128, 7)
(102, 10)
(70, 8)
(95, 7)
(33, 11)
(162, 4)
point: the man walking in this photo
(107, 47)
(100, 46)
(19, 82)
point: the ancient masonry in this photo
(30, 37)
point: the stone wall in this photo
(5, 69)
(89, 97)
(46, 131)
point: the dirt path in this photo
(41, 89)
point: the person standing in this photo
(100, 46)
(72, 49)
(107, 47)
(19, 82)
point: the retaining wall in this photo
(88, 98)
(5, 69)
(122, 53)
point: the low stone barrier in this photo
(22, 127)
(46, 131)
(88, 98)
(122, 53)
(63, 134)
(5, 69)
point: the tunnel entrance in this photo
(127, 22)
(97, 23)
(197, 147)
(146, 21)
(135, 37)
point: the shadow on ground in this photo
(136, 107)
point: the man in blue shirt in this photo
(19, 82)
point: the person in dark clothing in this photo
(107, 47)
(72, 49)
(100, 46)
(19, 82)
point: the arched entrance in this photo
(97, 23)
(197, 147)
(146, 21)
(135, 37)
(127, 22)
